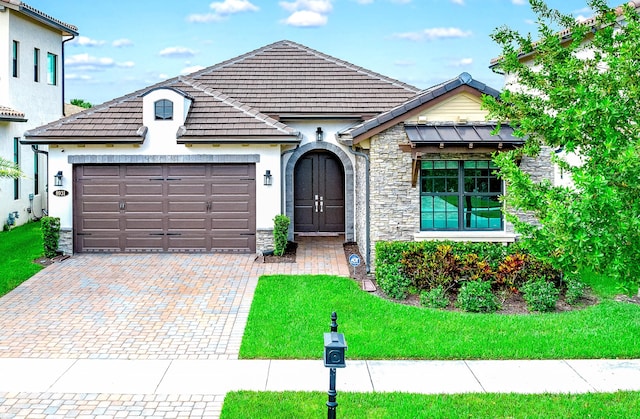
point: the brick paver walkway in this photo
(140, 306)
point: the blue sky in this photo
(127, 45)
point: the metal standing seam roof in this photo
(461, 134)
(233, 98)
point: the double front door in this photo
(319, 194)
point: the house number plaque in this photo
(60, 192)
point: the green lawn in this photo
(256, 405)
(289, 315)
(19, 247)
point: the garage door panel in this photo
(101, 190)
(178, 224)
(165, 207)
(151, 207)
(143, 171)
(101, 207)
(185, 188)
(98, 171)
(96, 224)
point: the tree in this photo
(580, 92)
(81, 102)
(9, 169)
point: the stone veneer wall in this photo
(394, 204)
(360, 221)
(264, 240)
(539, 168)
(65, 243)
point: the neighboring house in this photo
(206, 161)
(31, 94)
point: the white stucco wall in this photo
(40, 102)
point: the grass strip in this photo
(289, 315)
(19, 247)
(256, 405)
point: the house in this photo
(31, 94)
(204, 162)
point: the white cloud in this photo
(306, 19)
(519, 2)
(191, 69)
(404, 63)
(364, 1)
(123, 42)
(460, 2)
(177, 52)
(163, 76)
(462, 62)
(204, 18)
(431, 34)
(307, 13)
(317, 6)
(86, 62)
(73, 76)
(228, 7)
(84, 41)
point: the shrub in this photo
(434, 298)
(392, 282)
(476, 297)
(540, 295)
(476, 269)
(280, 234)
(575, 290)
(428, 270)
(50, 235)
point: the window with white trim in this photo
(163, 109)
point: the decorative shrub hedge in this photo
(428, 265)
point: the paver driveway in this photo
(144, 306)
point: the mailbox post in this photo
(334, 349)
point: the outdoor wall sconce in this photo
(268, 179)
(58, 178)
(319, 134)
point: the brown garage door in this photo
(164, 208)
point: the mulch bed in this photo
(289, 255)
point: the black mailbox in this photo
(334, 349)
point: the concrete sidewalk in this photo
(216, 377)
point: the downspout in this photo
(62, 70)
(367, 216)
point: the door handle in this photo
(321, 204)
(122, 205)
(208, 206)
(316, 204)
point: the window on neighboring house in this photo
(36, 170)
(36, 65)
(14, 58)
(16, 160)
(460, 195)
(52, 69)
(164, 109)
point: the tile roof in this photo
(8, 114)
(36, 14)
(243, 97)
(364, 129)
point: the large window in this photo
(36, 64)
(460, 195)
(14, 58)
(52, 68)
(164, 109)
(16, 160)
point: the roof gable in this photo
(426, 98)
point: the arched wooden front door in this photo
(319, 194)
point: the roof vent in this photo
(465, 77)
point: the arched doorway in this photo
(319, 193)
